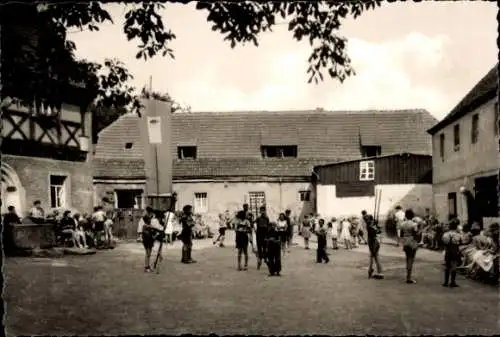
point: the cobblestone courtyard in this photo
(108, 293)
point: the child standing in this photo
(321, 255)
(334, 233)
(306, 231)
(452, 241)
(282, 228)
(345, 233)
(273, 250)
(242, 230)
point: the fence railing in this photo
(125, 225)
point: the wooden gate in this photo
(126, 221)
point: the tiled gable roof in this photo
(228, 144)
(317, 134)
(483, 91)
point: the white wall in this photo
(232, 196)
(415, 196)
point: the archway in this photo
(13, 193)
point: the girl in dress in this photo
(345, 233)
(282, 226)
(334, 233)
(306, 231)
(222, 231)
(242, 230)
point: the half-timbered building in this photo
(45, 155)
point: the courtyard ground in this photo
(108, 293)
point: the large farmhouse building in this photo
(223, 160)
(466, 160)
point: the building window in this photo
(441, 146)
(367, 170)
(57, 191)
(128, 199)
(456, 137)
(186, 152)
(201, 202)
(256, 201)
(371, 151)
(278, 151)
(305, 195)
(497, 120)
(452, 205)
(475, 129)
(128, 146)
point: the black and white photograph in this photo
(250, 168)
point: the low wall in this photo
(31, 236)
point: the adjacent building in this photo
(376, 184)
(223, 160)
(45, 156)
(466, 158)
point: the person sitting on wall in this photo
(67, 228)
(79, 232)
(37, 213)
(9, 219)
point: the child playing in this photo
(452, 241)
(222, 231)
(321, 255)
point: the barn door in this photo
(256, 200)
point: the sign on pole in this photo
(154, 130)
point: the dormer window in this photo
(371, 151)
(186, 152)
(128, 146)
(281, 151)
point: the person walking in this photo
(399, 218)
(273, 250)
(321, 255)
(452, 240)
(289, 228)
(282, 229)
(373, 230)
(262, 226)
(186, 235)
(222, 231)
(242, 231)
(409, 239)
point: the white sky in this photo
(406, 55)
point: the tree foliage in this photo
(44, 67)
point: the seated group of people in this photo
(83, 231)
(480, 253)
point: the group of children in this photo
(347, 231)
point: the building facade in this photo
(222, 160)
(347, 188)
(45, 156)
(466, 156)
